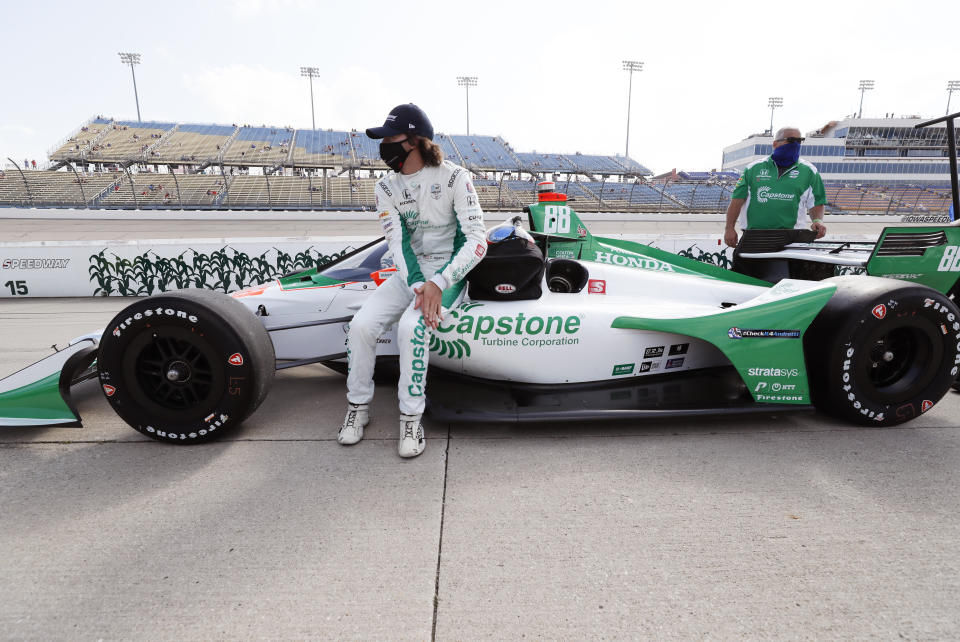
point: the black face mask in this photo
(393, 154)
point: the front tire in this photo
(882, 352)
(186, 366)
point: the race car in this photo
(574, 327)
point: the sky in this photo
(550, 75)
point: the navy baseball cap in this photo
(404, 119)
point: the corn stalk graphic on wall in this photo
(226, 270)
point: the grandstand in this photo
(862, 150)
(108, 163)
(262, 146)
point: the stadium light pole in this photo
(129, 58)
(865, 85)
(311, 73)
(630, 66)
(952, 86)
(773, 102)
(467, 82)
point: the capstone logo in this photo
(418, 367)
(639, 262)
(519, 324)
(765, 194)
(536, 331)
(34, 264)
(150, 313)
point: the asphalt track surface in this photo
(766, 527)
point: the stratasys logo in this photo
(764, 194)
(773, 372)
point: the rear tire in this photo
(882, 352)
(186, 366)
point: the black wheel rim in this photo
(901, 361)
(173, 372)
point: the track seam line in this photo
(496, 438)
(443, 510)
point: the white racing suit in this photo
(434, 226)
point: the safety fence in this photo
(220, 188)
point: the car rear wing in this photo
(929, 255)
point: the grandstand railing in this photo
(223, 188)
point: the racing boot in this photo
(351, 431)
(412, 441)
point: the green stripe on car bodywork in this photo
(574, 241)
(40, 400)
(681, 264)
(307, 280)
(768, 366)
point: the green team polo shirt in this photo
(777, 203)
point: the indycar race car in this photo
(572, 327)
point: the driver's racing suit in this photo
(434, 226)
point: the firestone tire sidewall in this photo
(231, 394)
(844, 392)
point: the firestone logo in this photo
(146, 314)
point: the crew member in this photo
(780, 192)
(433, 223)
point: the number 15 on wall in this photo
(17, 288)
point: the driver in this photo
(434, 226)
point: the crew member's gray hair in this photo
(784, 129)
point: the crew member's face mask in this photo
(787, 154)
(393, 154)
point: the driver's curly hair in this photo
(430, 152)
